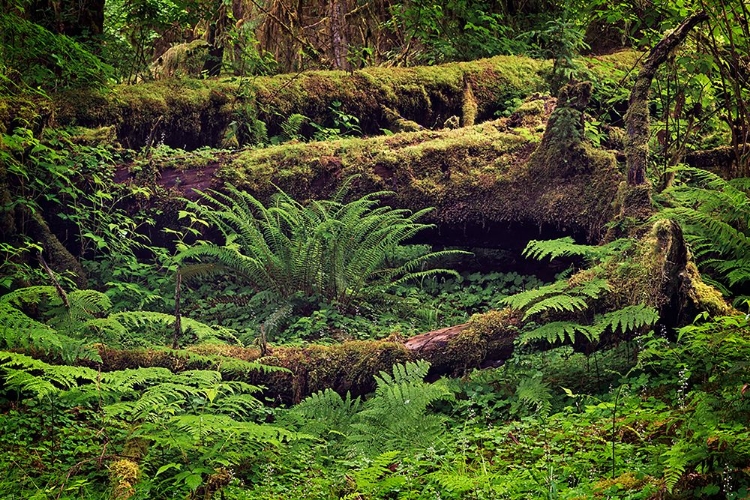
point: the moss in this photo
(473, 175)
(192, 113)
(350, 366)
(705, 297)
(184, 59)
(123, 475)
(468, 107)
(657, 271)
(94, 136)
(487, 337)
(624, 482)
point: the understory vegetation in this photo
(228, 273)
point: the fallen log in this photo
(481, 180)
(487, 339)
(190, 113)
(656, 271)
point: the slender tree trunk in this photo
(338, 34)
(637, 117)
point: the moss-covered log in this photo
(655, 271)
(351, 366)
(478, 179)
(188, 113)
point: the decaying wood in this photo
(480, 180)
(196, 113)
(351, 366)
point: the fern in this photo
(397, 417)
(28, 375)
(148, 320)
(715, 217)
(533, 394)
(677, 459)
(556, 331)
(557, 297)
(627, 319)
(326, 248)
(327, 414)
(378, 476)
(559, 303)
(18, 330)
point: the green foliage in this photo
(564, 306)
(714, 215)
(325, 250)
(396, 417)
(567, 247)
(341, 124)
(453, 30)
(558, 297)
(56, 330)
(38, 318)
(38, 58)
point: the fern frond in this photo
(396, 417)
(556, 331)
(520, 301)
(627, 319)
(534, 393)
(327, 414)
(552, 249)
(677, 459)
(559, 303)
(26, 374)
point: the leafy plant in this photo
(563, 306)
(396, 417)
(41, 59)
(714, 214)
(325, 250)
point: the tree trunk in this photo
(637, 117)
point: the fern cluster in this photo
(564, 308)
(326, 249)
(715, 216)
(38, 318)
(397, 416)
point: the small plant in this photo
(342, 125)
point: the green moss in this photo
(184, 59)
(706, 297)
(469, 107)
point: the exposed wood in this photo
(485, 340)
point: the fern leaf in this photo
(556, 331)
(627, 319)
(559, 303)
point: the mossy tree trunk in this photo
(637, 117)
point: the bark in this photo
(637, 117)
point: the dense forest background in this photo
(374, 249)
